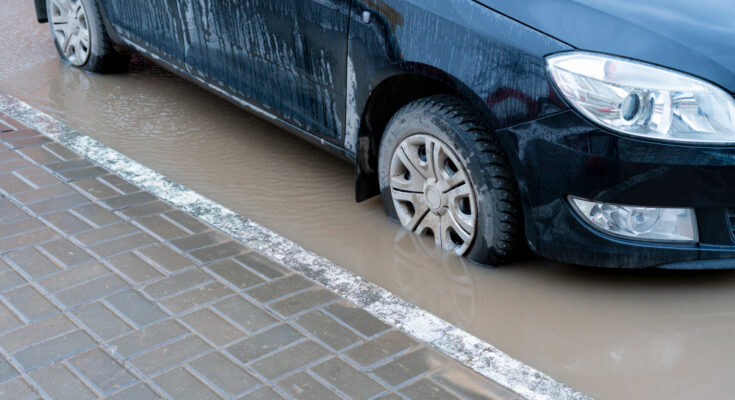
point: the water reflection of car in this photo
(594, 132)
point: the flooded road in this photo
(609, 333)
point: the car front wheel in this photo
(442, 173)
(80, 36)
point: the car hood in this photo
(694, 36)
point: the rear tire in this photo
(452, 126)
(80, 36)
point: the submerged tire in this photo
(441, 169)
(80, 36)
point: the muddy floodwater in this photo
(610, 333)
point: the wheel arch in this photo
(393, 90)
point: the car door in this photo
(154, 25)
(286, 56)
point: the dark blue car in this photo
(594, 132)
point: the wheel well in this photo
(389, 97)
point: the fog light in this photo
(639, 223)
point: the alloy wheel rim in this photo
(71, 29)
(432, 192)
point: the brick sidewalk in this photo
(107, 291)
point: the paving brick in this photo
(264, 343)
(32, 262)
(212, 327)
(12, 165)
(6, 371)
(169, 354)
(67, 222)
(199, 240)
(106, 374)
(27, 239)
(152, 208)
(264, 393)
(348, 380)
(223, 374)
(3, 265)
(69, 165)
(357, 318)
(20, 226)
(128, 200)
(329, 331)
(62, 280)
(107, 233)
(100, 320)
(409, 366)
(162, 227)
(263, 265)
(96, 189)
(181, 384)
(471, 385)
(9, 211)
(30, 303)
(134, 267)
(17, 389)
(90, 290)
(54, 349)
(425, 389)
(166, 258)
(61, 151)
(384, 346)
(59, 383)
(17, 134)
(36, 332)
(187, 221)
(10, 184)
(290, 359)
(40, 155)
(135, 307)
(36, 176)
(7, 319)
(302, 301)
(120, 184)
(147, 338)
(83, 173)
(235, 273)
(196, 297)
(97, 215)
(122, 245)
(10, 280)
(136, 392)
(27, 142)
(66, 252)
(45, 193)
(177, 283)
(58, 203)
(280, 288)
(304, 387)
(222, 250)
(244, 313)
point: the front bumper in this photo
(563, 154)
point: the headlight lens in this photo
(673, 225)
(644, 100)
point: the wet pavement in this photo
(608, 333)
(107, 291)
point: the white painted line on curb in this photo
(466, 348)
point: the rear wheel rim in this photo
(71, 30)
(432, 192)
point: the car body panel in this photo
(697, 37)
(286, 56)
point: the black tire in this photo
(499, 231)
(103, 58)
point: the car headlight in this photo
(644, 100)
